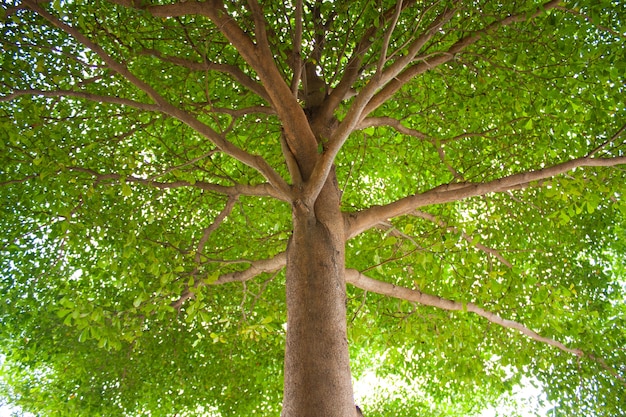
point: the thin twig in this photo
(382, 59)
(297, 50)
(465, 236)
(604, 145)
(206, 233)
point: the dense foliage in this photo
(144, 224)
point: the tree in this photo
(189, 186)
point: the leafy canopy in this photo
(146, 209)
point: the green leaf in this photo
(126, 190)
(529, 124)
(211, 278)
(138, 300)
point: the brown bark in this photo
(317, 369)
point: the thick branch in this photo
(252, 161)
(355, 113)
(297, 48)
(359, 222)
(260, 33)
(364, 282)
(281, 189)
(298, 133)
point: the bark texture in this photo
(317, 369)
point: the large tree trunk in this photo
(317, 369)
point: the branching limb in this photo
(254, 161)
(98, 50)
(256, 268)
(382, 59)
(260, 32)
(212, 9)
(354, 67)
(290, 160)
(427, 63)
(356, 112)
(366, 283)
(360, 221)
(298, 133)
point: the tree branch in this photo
(261, 190)
(354, 67)
(298, 133)
(442, 57)
(254, 161)
(84, 95)
(606, 143)
(236, 72)
(18, 181)
(382, 59)
(260, 33)
(206, 233)
(360, 221)
(366, 283)
(256, 267)
(469, 239)
(297, 49)
(393, 123)
(98, 50)
(399, 127)
(355, 113)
